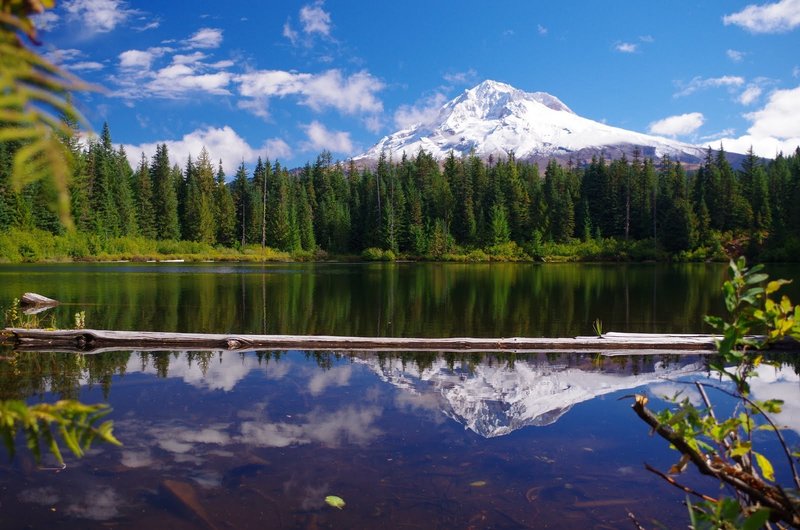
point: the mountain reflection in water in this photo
(258, 440)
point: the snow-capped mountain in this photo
(494, 399)
(494, 119)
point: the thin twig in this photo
(675, 483)
(775, 428)
(635, 521)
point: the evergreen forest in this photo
(415, 207)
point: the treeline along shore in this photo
(463, 209)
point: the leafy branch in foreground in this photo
(725, 448)
(75, 424)
(35, 115)
(35, 105)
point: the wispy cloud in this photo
(205, 38)
(46, 21)
(148, 24)
(314, 22)
(423, 111)
(86, 66)
(777, 17)
(541, 30)
(626, 47)
(290, 33)
(718, 135)
(750, 95)
(315, 19)
(700, 83)
(460, 78)
(679, 125)
(735, 55)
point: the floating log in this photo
(92, 340)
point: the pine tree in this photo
(242, 200)
(165, 199)
(121, 189)
(225, 210)
(143, 198)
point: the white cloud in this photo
(735, 55)
(224, 143)
(777, 17)
(541, 30)
(290, 33)
(86, 66)
(148, 25)
(98, 504)
(796, 71)
(779, 383)
(647, 38)
(191, 58)
(750, 95)
(322, 379)
(718, 135)
(460, 78)
(780, 117)
(330, 428)
(775, 127)
(424, 111)
(677, 125)
(176, 80)
(320, 138)
(46, 21)
(65, 55)
(136, 59)
(98, 16)
(373, 123)
(350, 95)
(205, 38)
(699, 83)
(315, 19)
(626, 47)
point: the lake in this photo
(259, 439)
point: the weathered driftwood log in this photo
(35, 299)
(34, 303)
(89, 340)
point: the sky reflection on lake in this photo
(258, 440)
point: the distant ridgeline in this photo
(418, 206)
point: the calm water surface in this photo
(258, 439)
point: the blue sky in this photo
(286, 80)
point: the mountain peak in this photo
(491, 90)
(495, 118)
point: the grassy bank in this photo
(31, 246)
(27, 246)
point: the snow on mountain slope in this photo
(495, 118)
(495, 400)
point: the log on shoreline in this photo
(95, 341)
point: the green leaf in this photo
(756, 278)
(756, 520)
(336, 502)
(766, 466)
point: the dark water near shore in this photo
(257, 440)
